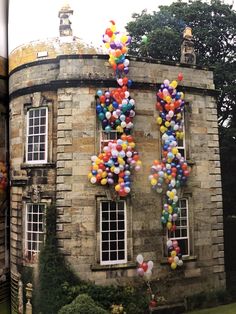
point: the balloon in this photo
(140, 272)
(144, 39)
(139, 259)
(150, 265)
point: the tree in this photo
(214, 30)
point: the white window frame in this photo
(45, 134)
(29, 251)
(118, 261)
(182, 227)
(106, 137)
(182, 147)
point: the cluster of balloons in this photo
(115, 108)
(3, 176)
(173, 168)
(144, 268)
(174, 254)
(114, 164)
(116, 43)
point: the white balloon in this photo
(148, 275)
(139, 258)
(150, 265)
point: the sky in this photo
(38, 19)
(3, 29)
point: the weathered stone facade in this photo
(4, 206)
(67, 85)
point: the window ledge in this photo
(97, 267)
(43, 165)
(184, 258)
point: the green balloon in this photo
(144, 39)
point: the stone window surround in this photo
(44, 104)
(187, 227)
(191, 257)
(37, 134)
(116, 221)
(24, 223)
(130, 263)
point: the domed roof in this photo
(48, 49)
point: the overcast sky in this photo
(3, 30)
(38, 19)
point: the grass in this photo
(223, 309)
(5, 308)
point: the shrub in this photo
(83, 304)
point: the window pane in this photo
(105, 226)
(121, 255)
(113, 245)
(105, 236)
(105, 256)
(113, 223)
(36, 134)
(105, 246)
(35, 230)
(112, 215)
(113, 256)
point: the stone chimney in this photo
(65, 23)
(188, 55)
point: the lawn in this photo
(223, 309)
(4, 308)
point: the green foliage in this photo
(214, 29)
(208, 299)
(53, 271)
(83, 304)
(133, 299)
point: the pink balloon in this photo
(140, 272)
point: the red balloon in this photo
(144, 266)
(180, 76)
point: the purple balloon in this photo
(140, 272)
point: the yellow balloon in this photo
(104, 181)
(163, 129)
(104, 174)
(159, 120)
(113, 28)
(171, 195)
(174, 84)
(95, 167)
(110, 107)
(173, 265)
(169, 225)
(173, 253)
(132, 144)
(153, 181)
(170, 209)
(117, 188)
(124, 39)
(175, 150)
(168, 99)
(107, 45)
(167, 124)
(90, 175)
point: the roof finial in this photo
(65, 23)
(187, 48)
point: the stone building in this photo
(53, 133)
(4, 205)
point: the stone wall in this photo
(4, 206)
(68, 85)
